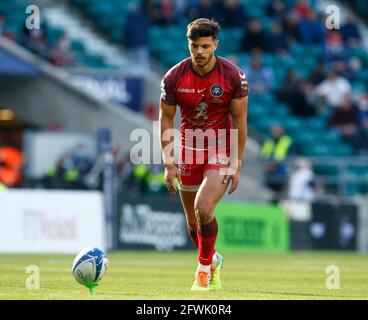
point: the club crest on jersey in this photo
(216, 90)
(202, 111)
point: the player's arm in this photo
(238, 109)
(166, 119)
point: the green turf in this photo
(152, 275)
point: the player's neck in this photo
(202, 71)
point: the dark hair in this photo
(203, 27)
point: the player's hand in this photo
(171, 173)
(233, 175)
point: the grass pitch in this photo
(141, 275)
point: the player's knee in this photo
(192, 227)
(203, 210)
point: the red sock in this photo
(207, 235)
(193, 235)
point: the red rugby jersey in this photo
(204, 101)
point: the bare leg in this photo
(209, 194)
(187, 199)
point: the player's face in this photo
(202, 50)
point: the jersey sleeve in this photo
(240, 85)
(168, 94)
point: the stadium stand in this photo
(251, 29)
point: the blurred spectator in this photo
(260, 76)
(286, 90)
(334, 90)
(61, 54)
(276, 41)
(155, 180)
(35, 40)
(363, 117)
(11, 161)
(205, 9)
(302, 186)
(299, 103)
(345, 119)
(2, 23)
(291, 26)
(135, 39)
(164, 13)
(180, 6)
(276, 9)
(233, 14)
(350, 30)
(69, 171)
(363, 110)
(336, 54)
(139, 175)
(302, 8)
(254, 37)
(317, 75)
(275, 150)
(311, 29)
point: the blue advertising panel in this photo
(123, 90)
(10, 65)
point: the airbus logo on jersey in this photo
(185, 90)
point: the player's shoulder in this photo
(177, 70)
(230, 68)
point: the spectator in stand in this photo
(276, 9)
(336, 54)
(233, 14)
(312, 29)
(317, 75)
(291, 26)
(363, 116)
(276, 40)
(275, 150)
(299, 103)
(302, 185)
(70, 170)
(286, 90)
(205, 9)
(61, 54)
(302, 8)
(334, 90)
(11, 161)
(34, 39)
(180, 6)
(345, 119)
(135, 37)
(254, 37)
(260, 76)
(164, 13)
(350, 30)
(2, 23)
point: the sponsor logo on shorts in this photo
(220, 159)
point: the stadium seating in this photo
(311, 136)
